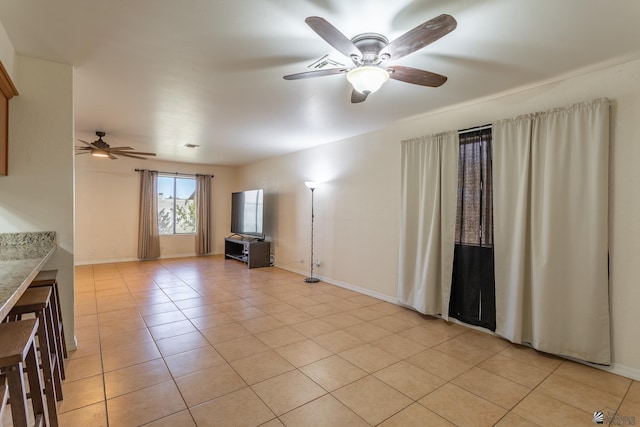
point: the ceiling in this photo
(158, 74)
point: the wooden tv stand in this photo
(251, 251)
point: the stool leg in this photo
(45, 355)
(55, 301)
(35, 382)
(17, 395)
(56, 351)
(58, 319)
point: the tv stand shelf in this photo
(253, 252)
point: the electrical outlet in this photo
(317, 263)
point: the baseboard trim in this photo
(616, 368)
(104, 261)
(114, 260)
(344, 285)
(72, 345)
(360, 290)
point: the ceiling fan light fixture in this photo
(367, 79)
(99, 153)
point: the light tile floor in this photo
(207, 342)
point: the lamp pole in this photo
(312, 186)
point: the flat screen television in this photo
(247, 213)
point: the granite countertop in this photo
(22, 256)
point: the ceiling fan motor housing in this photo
(370, 44)
(99, 142)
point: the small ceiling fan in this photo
(369, 51)
(99, 148)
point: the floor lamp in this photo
(311, 186)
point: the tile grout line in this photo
(165, 365)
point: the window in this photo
(176, 205)
(473, 285)
(474, 216)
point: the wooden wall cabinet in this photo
(7, 91)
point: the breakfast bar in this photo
(22, 256)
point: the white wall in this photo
(37, 195)
(107, 202)
(357, 209)
(7, 53)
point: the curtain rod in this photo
(175, 173)
(475, 129)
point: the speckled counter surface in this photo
(22, 256)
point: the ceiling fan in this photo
(99, 148)
(369, 51)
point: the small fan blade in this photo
(415, 76)
(131, 152)
(92, 144)
(357, 97)
(129, 155)
(112, 157)
(83, 152)
(121, 148)
(333, 36)
(422, 35)
(317, 73)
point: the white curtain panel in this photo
(203, 214)
(148, 233)
(428, 222)
(551, 230)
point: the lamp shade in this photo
(367, 79)
(311, 184)
(99, 153)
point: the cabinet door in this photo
(4, 135)
(7, 91)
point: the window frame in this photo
(173, 204)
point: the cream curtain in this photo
(551, 230)
(203, 214)
(428, 222)
(148, 234)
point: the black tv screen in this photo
(247, 210)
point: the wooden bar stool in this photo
(18, 353)
(38, 301)
(4, 396)
(48, 278)
(32, 301)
